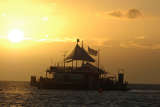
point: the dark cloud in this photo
(130, 14)
(134, 13)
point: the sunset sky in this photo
(127, 32)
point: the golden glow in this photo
(15, 35)
(45, 18)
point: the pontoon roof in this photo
(79, 53)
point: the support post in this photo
(46, 74)
(76, 64)
(82, 48)
(64, 63)
(98, 59)
(72, 64)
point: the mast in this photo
(82, 48)
(76, 59)
(98, 59)
(64, 62)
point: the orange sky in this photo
(127, 32)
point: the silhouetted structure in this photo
(83, 75)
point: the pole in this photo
(76, 64)
(64, 62)
(82, 60)
(72, 64)
(98, 59)
(46, 74)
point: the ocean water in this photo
(21, 94)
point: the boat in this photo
(79, 72)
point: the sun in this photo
(16, 35)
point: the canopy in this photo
(94, 68)
(79, 53)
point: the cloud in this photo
(56, 39)
(140, 42)
(133, 13)
(134, 44)
(117, 13)
(140, 37)
(130, 14)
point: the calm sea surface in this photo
(21, 94)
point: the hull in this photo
(52, 84)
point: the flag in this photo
(92, 51)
